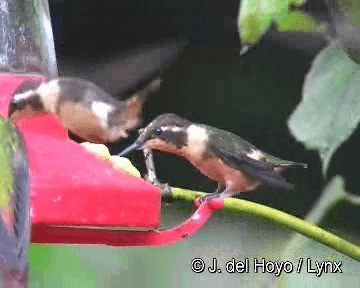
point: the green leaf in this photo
(253, 28)
(14, 184)
(255, 17)
(299, 21)
(7, 143)
(14, 201)
(330, 108)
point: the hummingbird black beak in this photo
(135, 146)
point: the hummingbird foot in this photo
(208, 198)
(215, 200)
(165, 187)
(165, 190)
(151, 174)
(216, 194)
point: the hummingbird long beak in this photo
(135, 146)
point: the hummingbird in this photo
(84, 108)
(235, 164)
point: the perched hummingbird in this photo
(235, 164)
(84, 108)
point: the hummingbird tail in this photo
(134, 104)
(274, 180)
(144, 92)
(277, 162)
(264, 172)
(290, 164)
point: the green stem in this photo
(281, 218)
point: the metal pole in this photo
(26, 39)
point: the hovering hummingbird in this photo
(84, 108)
(235, 164)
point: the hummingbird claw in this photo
(208, 198)
(214, 200)
(165, 187)
(200, 200)
(166, 190)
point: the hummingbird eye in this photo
(158, 131)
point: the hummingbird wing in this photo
(14, 207)
(123, 74)
(240, 154)
(134, 104)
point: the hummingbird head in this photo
(26, 99)
(167, 132)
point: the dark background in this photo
(210, 83)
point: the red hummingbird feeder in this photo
(77, 198)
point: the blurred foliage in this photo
(330, 108)
(256, 16)
(298, 21)
(345, 25)
(8, 144)
(329, 111)
(58, 266)
(332, 194)
(14, 204)
(301, 247)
